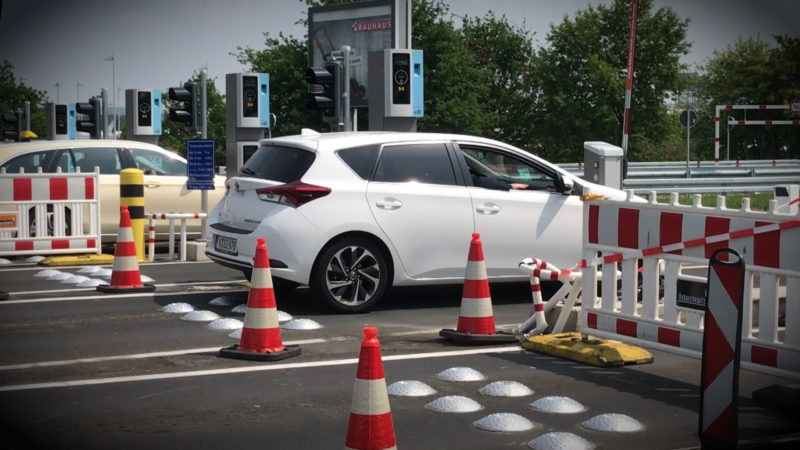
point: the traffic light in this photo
(187, 111)
(12, 126)
(89, 122)
(325, 90)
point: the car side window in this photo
(155, 163)
(29, 162)
(107, 159)
(495, 164)
(422, 163)
(360, 159)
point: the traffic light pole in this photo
(346, 89)
(204, 135)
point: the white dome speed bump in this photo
(613, 422)
(560, 441)
(504, 422)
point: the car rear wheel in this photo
(67, 231)
(351, 275)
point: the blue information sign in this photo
(200, 167)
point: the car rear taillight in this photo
(292, 194)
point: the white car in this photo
(351, 214)
(165, 187)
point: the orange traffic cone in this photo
(476, 320)
(370, 425)
(261, 333)
(125, 275)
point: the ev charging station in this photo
(395, 89)
(143, 111)
(60, 121)
(247, 117)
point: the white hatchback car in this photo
(165, 179)
(350, 214)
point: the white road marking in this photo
(258, 368)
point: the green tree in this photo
(174, 134)
(749, 72)
(14, 94)
(505, 53)
(456, 88)
(582, 71)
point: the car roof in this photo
(16, 148)
(336, 141)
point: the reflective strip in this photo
(475, 307)
(370, 397)
(261, 278)
(261, 318)
(476, 270)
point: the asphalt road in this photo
(81, 369)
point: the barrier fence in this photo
(646, 253)
(49, 213)
(172, 217)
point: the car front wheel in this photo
(351, 275)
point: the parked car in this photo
(165, 178)
(351, 214)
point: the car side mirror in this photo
(563, 184)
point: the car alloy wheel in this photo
(351, 274)
(67, 231)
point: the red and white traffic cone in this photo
(476, 319)
(261, 333)
(125, 276)
(370, 426)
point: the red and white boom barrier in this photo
(668, 239)
(49, 213)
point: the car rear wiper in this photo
(247, 171)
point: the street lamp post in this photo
(114, 89)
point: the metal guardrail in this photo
(705, 176)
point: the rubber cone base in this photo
(477, 339)
(233, 352)
(125, 290)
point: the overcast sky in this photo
(159, 43)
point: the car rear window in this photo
(29, 162)
(278, 163)
(360, 159)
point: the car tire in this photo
(50, 231)
(351, 275)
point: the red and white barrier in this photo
(719, 108)
(719, 386)
(36, 209)
(668, 239)
(172, 217)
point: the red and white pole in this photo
(626, 121)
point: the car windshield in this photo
(155, 163)
(278, 163)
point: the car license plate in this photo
(226, 245)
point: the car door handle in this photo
(488, 209)
(389, 204)
(152, 186)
